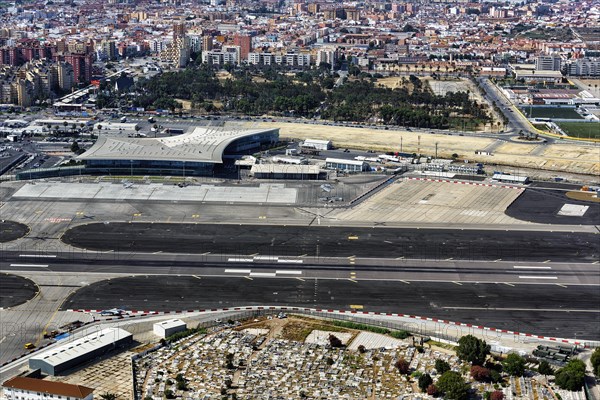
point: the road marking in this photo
(303, 255)
(288, 272)
(529, 267)
(403, 281)
(508, 284)
(38, 255)
(263, 274)
(596, 262)
(387, 241)
(499, 259)
(545, 262)
(266, 258)
(537, 277)
(352, 237)
(400, 258)
(449, 259)
(253, 254)
(157, 252)
(522, 309)
(196, 276)
(457, 283)
(352, 280)
(238, 271)
(356, 306)
(244, 260)
(195, 215)
(30, 265)
(290, 261)
(563, 286)
(262, 217)
(300, 279)
(349, 257)
(205, 254)
(247, 277)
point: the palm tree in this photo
(108, 396)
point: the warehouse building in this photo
(69, 355)
(278, 171)
(164, 329)
(193, 153)
(20, 387)
(317, 144)
(506, 178)
(346, 165)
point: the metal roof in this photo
(203, 144)
(170, 323)
(76, 348)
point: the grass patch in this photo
(299, 330)
(376, 329)
(442, 345)
(551, 112)
(587, 130)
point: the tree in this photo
(453, 386)
(545, 369)
(403, 366)
(571, 376)
(424, 382)
(362, 349)
(75, 147)
(441, 366)
(514, 365)
(472, 349)
(334, 341)
(595, 360)
(432, 390)
(108, 396)
(480, 374)
(497, 395)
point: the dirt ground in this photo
(573, 158)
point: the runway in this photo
(538, 309)
(321, 241)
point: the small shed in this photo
(164, 329)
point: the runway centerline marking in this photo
(537, 277)
(38, 255)
(288, 272)
(30, 265)
(238, 271)
(263, 274)
(242, 260)
(530, 267)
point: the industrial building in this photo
(193, 153)
(346, 165)
(76, 352)
(317, 144)
(278, 171)
(510, 178)
(164, 329)
(21, 387)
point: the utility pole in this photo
(400, 144)
(436, 147)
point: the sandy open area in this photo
(576, 158)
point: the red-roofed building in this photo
(23, 388)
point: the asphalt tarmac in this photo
(542, 206)
(15, 290)
(320, 241)
(538, 309)
(10, 230)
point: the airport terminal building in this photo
(193, 153)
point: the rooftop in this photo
(49, 387)
(84, 345)
(203, 144)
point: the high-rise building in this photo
(245, 44)
(548, 63)
(207, 43)
(66, 77)
(178, 31)
(82, 66)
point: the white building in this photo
(164, 329)
(317, 144)
(23, 388)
